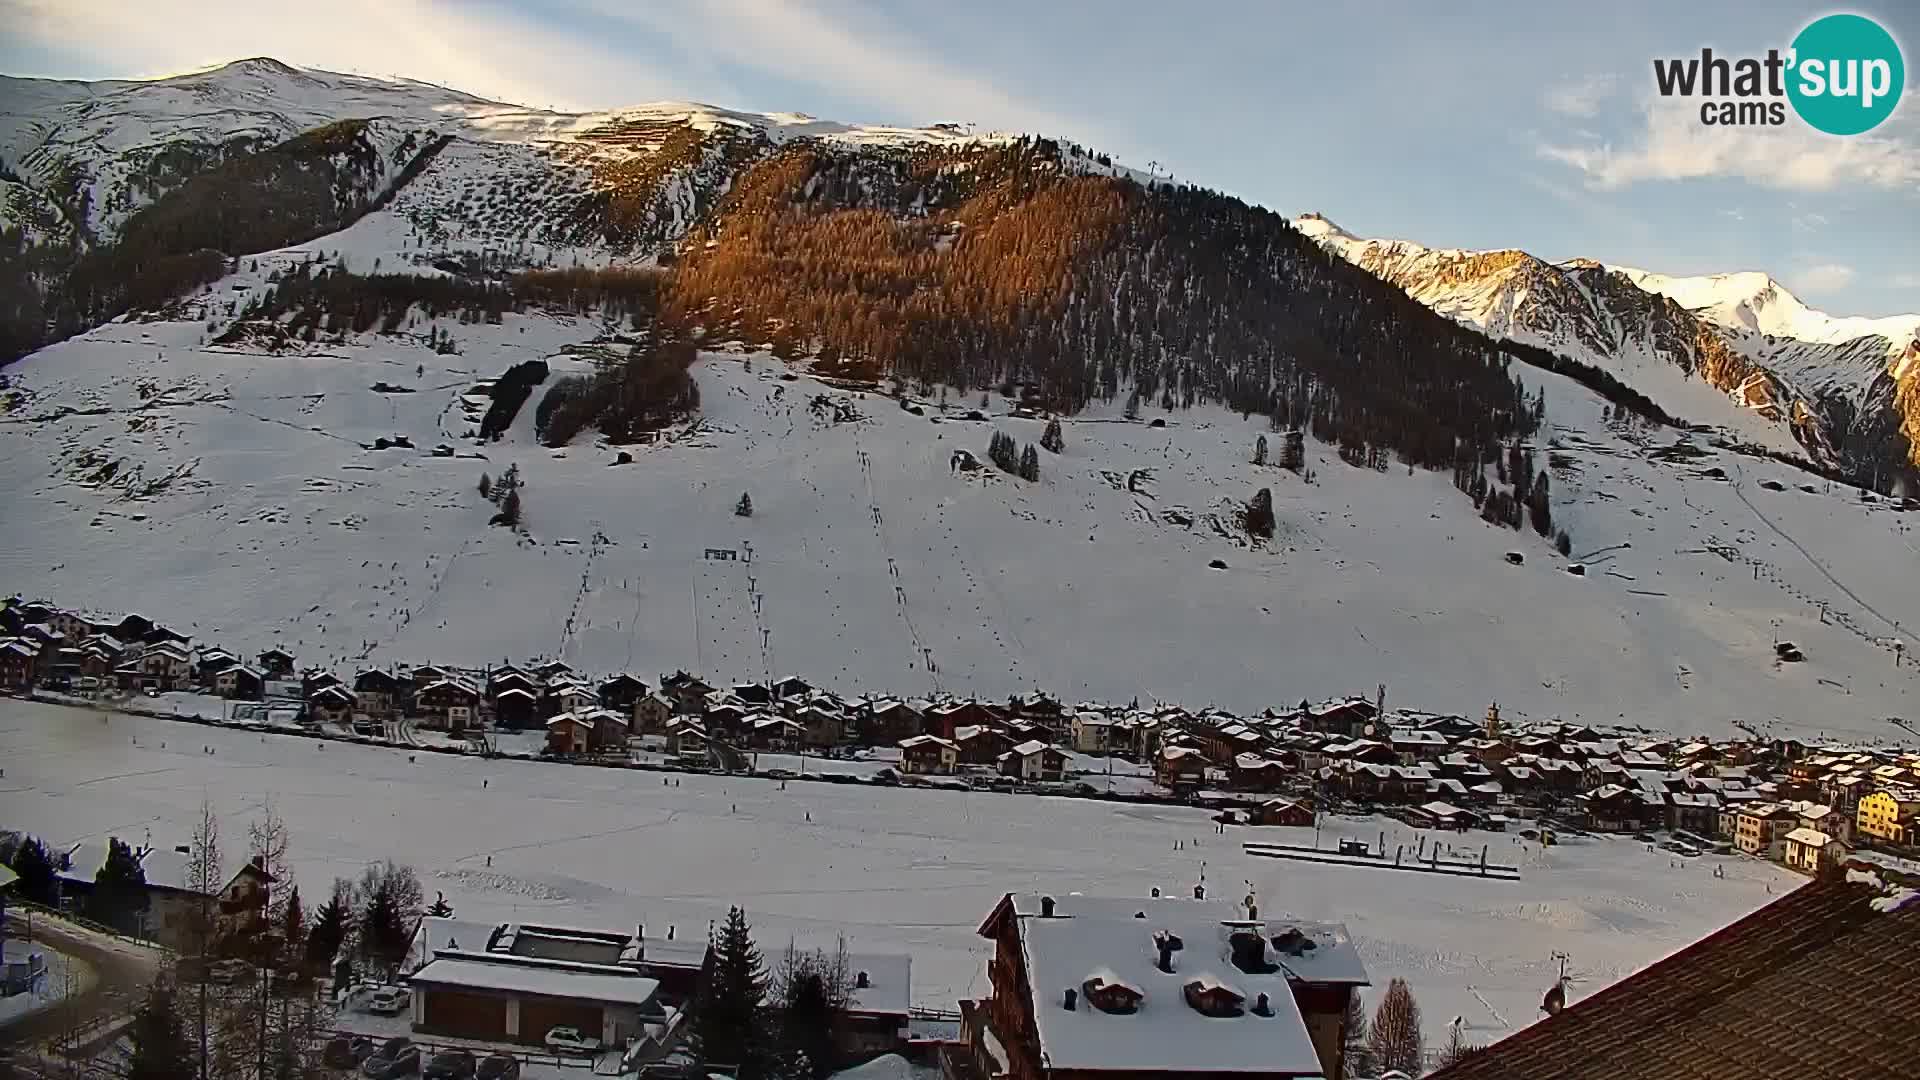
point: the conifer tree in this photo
(119, 896)
(1052, 441)
(161, 1050)
(36, 870)
(731, 1027)
(1260, 450)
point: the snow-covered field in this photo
(876, 567)
(891, 869)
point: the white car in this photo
(567, 1040)
(388, 1001)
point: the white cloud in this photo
(1581, 97)
(480, 50)
(1674, 145)
(569, 54)
(1906, 281)
(852, 52)
(1823, 278)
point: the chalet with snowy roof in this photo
(1095, 732)
(946, 718)
(211, 662)
(793, 686)
(879, 1004)
(378, 692)
(1258, 772)
(1414, 745)
(162, 667)
(772, 732)
(1034, 761)
(331, 705)
(889, 720)
(929, 755)
(1818, 983)
(241, 683)
(754, 695)
(651, 713)
(622, 691)
(1180, 768)
(70, 625)
(449, 704)
(1889, 815)
(19, 663)
(981, 745)
(687, 738)
(822, 728)
(521, 981)
(1088, 988)
(503, 679)
(1442, 815)
(277, 663)
(687, 692)
(1349, 718)
(553, 669)
(516, 709)
(1284, 812)
(569, 734)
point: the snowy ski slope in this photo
(875, 566)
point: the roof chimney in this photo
(1260, 1006)
(1046, 907)
(1071, 997)
(1156, 892)
(862, 981)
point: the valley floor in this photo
(889, 869)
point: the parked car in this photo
(499, 1067)
(450, 1065)
(384, 1067)
(393, 1047)
(388, 1001)
(568, 1040)
(346, 1052)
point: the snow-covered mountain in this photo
(1733, 351)
(233, 468)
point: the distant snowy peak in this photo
(1755, 302)
(1735, 350)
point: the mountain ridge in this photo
(1840, 387)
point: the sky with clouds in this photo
(1486, 123)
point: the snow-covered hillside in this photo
(1732, 351)
(236, 495)
(120, 144)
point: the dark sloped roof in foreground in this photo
(1822, 984)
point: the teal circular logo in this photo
(1846, 74)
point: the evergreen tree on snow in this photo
(1030, 464)
(1052, 441)
(731, 1026)
(1260, 450)
(159, 1037)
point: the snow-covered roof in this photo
(1809, 837)
(1441, 809)
(889, 989)
(518, 975)
(927, 740)
(435, 934)
(1029, 748)
(1164, 1034)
